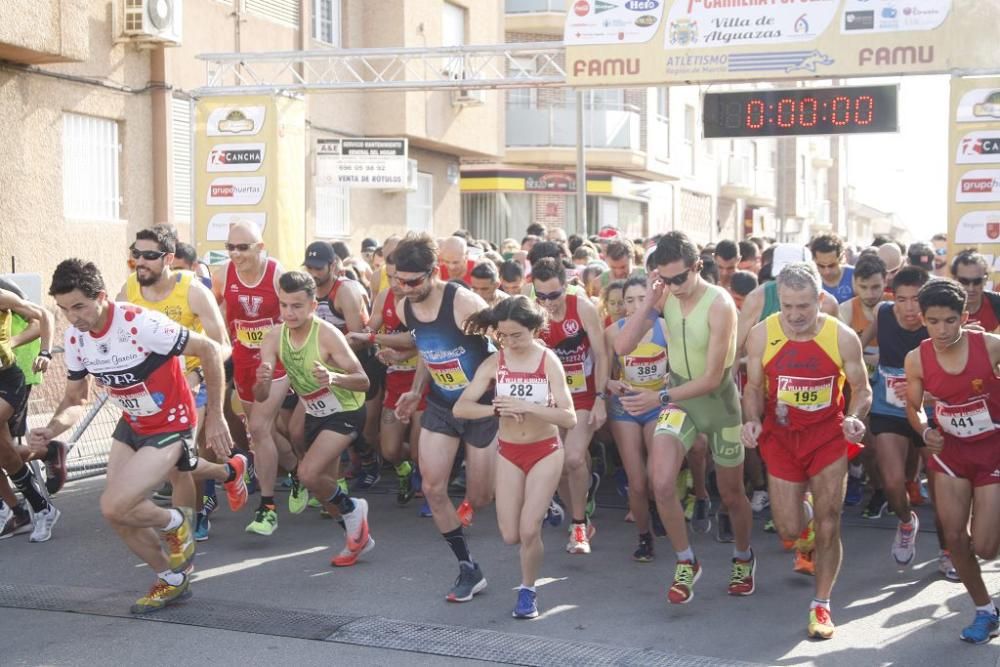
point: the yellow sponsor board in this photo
(631, 42)
(242, 144)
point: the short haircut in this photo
(675, 246)
(944, 293)
(75, 274)
(748, 250)
(868, 265)
(416, 253)
(461, 233)
(485, 271)
(535, 229)
(531, 237)
(966, 257)
(826, 243)
(341, 250)
(743, 282)
(584, 252)
(619, 249)
(880, 240)
(910, 276)
(511, 271)
(727, 250)
(186, 253)
(574, 241)
(163, 236)
(544, 249)
(800, 275)
(634, 281)
(709, 269)
(548, 268)
(291, 282)
(940, 236)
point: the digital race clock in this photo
(780, 113)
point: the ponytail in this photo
(518, 308)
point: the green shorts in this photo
(717, 415)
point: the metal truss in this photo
(526, 65)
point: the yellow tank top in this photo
(175, 305)
(383, 283)
(6, 351)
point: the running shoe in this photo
(723, 528)
(43, 522)
(5, 513)
(469, 582)
(644, 554)
(654, 518)
(404, 481)
(160, 595)
(346, 557)
(425, 510)
(236, 490)
(356, 525)
(342, 485)
(760, 501)
(985, 626)
(525, 607)
(946, 567)
(180, 543)
(465, 513)
(915, 491)
(265, 522)
(555, 515)
(201, 527)
(804, 563)
(807, 538)
(820, 623)
(283, 483)
(621, 482)
(595, 482)
(209, 503)
(369, 477)
(741, 579)
(578, 541)
(298, 497)
(164, 492)
(876, 506)
(904, 546)
(687, 502)
(18, 522)
(315, 504)
(685, 575)
(55, 467)
(700, 521)
(855, 491)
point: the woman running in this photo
(611, 306)
(533, 402)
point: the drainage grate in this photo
(370, 631)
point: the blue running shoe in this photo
(555, 515)
(201, 527)
(855, 491)
(525, 607)
(984, 627)
(621, 482)
(425, 510)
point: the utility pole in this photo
(580, 223)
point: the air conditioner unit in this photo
(468, 98)
(157, 21)
(411, 178)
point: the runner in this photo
(512, 276)
(486, 283)
(797, 363)
(971, 270)
(533, 402)
(727, 256)
(435, 312)
(643, 369)
(134, 352)
(701, 329)
(330, 382)
(958, 367)
(828, 254)
(247, 289)
(455, 262)
(574, 332)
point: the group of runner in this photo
(519, 375)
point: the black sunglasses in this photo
(242, 247)
(972, 281)
(413, 282)
(677, 280)
(148, 255)
(550, 296)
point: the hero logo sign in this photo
(581, 7)
(642, 5)
(571, 327)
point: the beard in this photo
(148, 278)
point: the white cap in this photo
(787, 253)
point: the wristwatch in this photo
(664, 397)
(45, 353)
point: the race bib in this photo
(532, 390)
(808, 394)
(670, 422)
(891, 382)
(576, 380)
(407, 365)
(135, 400)
(645, 370)
(250, 333)
(448, 374)
(321, 403)
(967, 420)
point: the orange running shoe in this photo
(685, 575)
(913, 491)
(236, 490)
(465, 513)
(820, 623)
(804, 563)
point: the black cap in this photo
(921, 254)
(319, 255)
(369, 244)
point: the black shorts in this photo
(187, 461)
(479, 433)
(14, 391)
(346, 423)
(290, 401)
(879, 424)
(375, 370)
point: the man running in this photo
(702, 398)
(330, 383)
(828, 254)
(798, 360)
(486, 283)
(575, 333)
(958, 368)
(134, 353)
(435, 312)
(971, 271)
(858, 312)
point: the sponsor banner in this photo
(978, 227)
(978, 185)
(980, 105)
(218, 224)
(236, 121)
(227, 191)
(362, 163)
(705, 41)
(981, 147)
(235, 157)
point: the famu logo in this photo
(981, 147)
(235, 157)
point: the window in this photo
(90, 168)
(452, 25)
(326, 21)
(663, 102)
(287, 12)
(420, 204)
(333, 211)
(180, 143)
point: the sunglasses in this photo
(972, 281)
(412, 282)
(550, 296)
(677, 280)
(242, 247)
(148, 255)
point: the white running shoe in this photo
(904, 546)
(43, 522)
(760, 501)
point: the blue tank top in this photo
(451, 355)
(845, 288)
(894, 342)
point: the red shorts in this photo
(978, 462)
(398, 383)
(795, 456)
(245, 367)
(525, 456)
(584, 400)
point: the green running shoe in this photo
(265, 522)
(298, 497)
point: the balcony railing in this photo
(604, 127)
(535, 6)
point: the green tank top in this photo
(689, 335)
(26, 353)
(320, 401)
(771, 303)
(6, 351)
